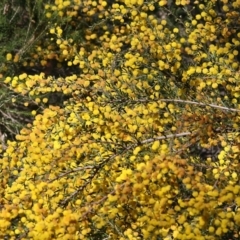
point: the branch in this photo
(166, 137)
(71, 171)
(201, 104)
(100, 201)
(180, 101)
(97, 168)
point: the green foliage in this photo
(22, 24)
(145, 142)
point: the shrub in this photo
(145, 144)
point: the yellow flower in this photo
(175, 30)
(52, 30)
(22, 76)
(124, 175)
(7, 79)
(104, 3)
(34, 112)
(65, 52)
(9, 57)
(66, 3)
(155, 145)
(48, 14)
(162, 3)
(136, 150)
(235, 149)
(45, 100)
(234, 175)
(112, 198)
(59, 31)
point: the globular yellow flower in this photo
(134, 13)
(59, 41)
(194, 22)
(124, 175)
(22, 76)
(190, 71)
(7, 79)
(75, 62)
(65, 52)
(48, 14)
(164, 22)
(164, 147)
(136, 150)
(66, 3)
(235, 149)
(155, 145)
(162, 3)
(86, 83)
(56, 145)
(37, 100)
(175, 30)
(9, 57)
(34, 112)
(117, 72)
(234, 175)
(235, 65)
(104, 3)
(205, 70)
(60, 13)
(152, 37)
(59, 31)
(52, 30)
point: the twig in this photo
(100, 201)
(201, 104)
(166, 137)
(96, 169)
(8, 117)
(14, 14)
(181, 101)
(29, 43)
(71, 171)
(75, 193)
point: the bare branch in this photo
(181, 101)
(201, 104)
(166, 137)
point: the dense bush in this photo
(136, 122)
